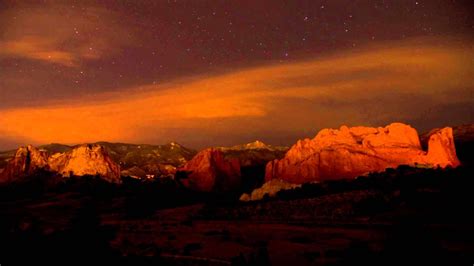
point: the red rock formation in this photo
(87, 159)
(350, 152)
(210, 171)
(26, 162)
(82, 160)
(441, 150)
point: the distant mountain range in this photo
(141, 155)
(254, 153)
(256, 145)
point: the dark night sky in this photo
(223, 72)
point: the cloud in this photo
(59, 34)
(38, 49)
(399, 81)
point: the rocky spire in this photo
(27, 161)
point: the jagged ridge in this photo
(350, 152)
(87, 159)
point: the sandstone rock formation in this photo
(350, 152)
(152, 160)
(27, 161)
(81, 160)
(86, 159)
(270, 188)
(463, 140)
(209, 171)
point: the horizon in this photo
(420, 133)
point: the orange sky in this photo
(409, 81)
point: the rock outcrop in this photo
(27, 161)
(86, 159)
(463, 140)
(351, 152)
(81, 160)
(209, 171)
(270, 189)
(152, 160)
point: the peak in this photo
(174, 144)
(27, 149)
(249, 146)
(256, 145)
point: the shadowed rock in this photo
(209, 171)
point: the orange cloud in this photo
(395, 82)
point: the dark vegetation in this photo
(253, 162)
(417, 215)
(443, 191)
(253, 176)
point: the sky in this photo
(212, 73)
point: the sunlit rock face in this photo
(350, 152)
(441, 149)
(27, 161)
(86, 159)
(463, 140)
(80, 161)
(209, 171)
